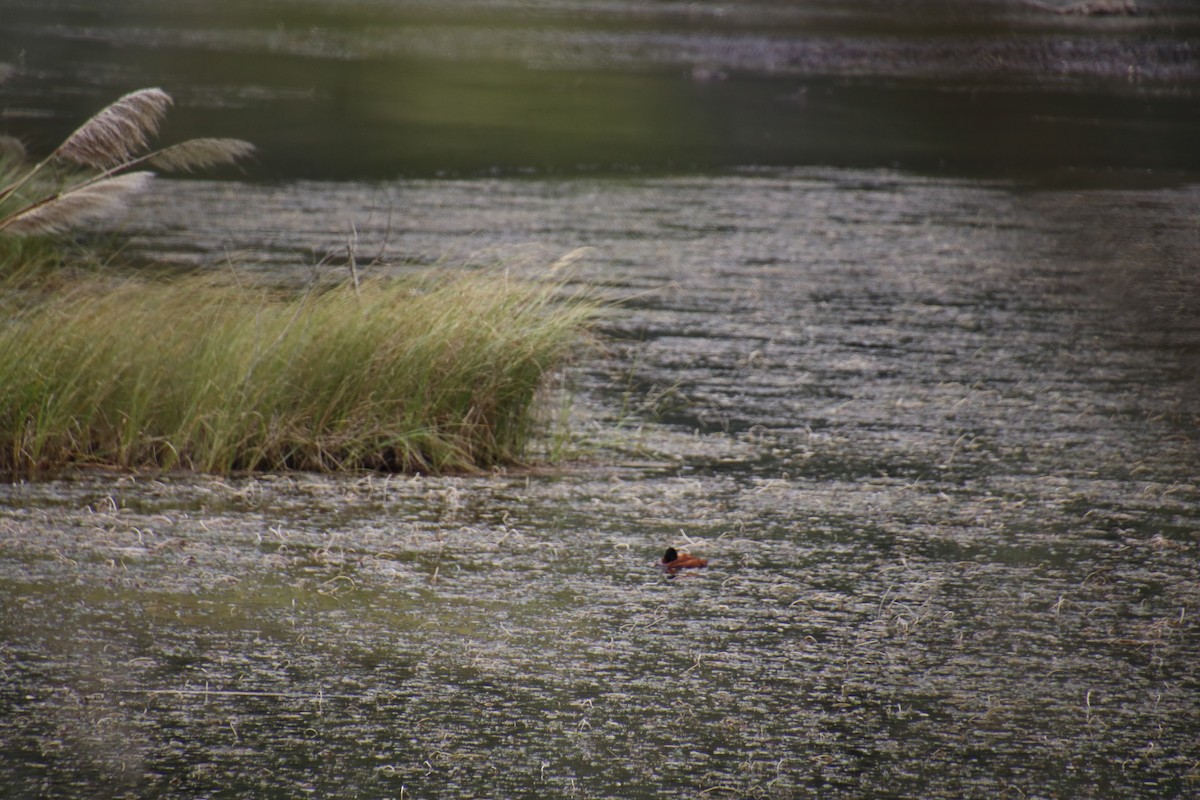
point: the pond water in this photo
(934, 428)
(375, 89)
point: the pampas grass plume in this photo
(114, 142)
(119, 133)
(94, 201)
(200, 154)
(12, 148)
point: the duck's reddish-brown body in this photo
(673, 561)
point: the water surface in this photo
(936, 439)
(373, 90)
(933, 426)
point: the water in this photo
(934, 432)
(372, 90)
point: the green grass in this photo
(440, 373)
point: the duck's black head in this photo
(670, 555)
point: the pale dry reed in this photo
(110, 147)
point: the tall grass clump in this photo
(437, 374)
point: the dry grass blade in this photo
(89, 202)
(200, 154)
(118, 133)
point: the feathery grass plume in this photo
(108, 142)
(113, 142)
(12, 149)
(92, 201)
(119, 133)
(199, 154)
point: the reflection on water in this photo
(936, 436)
(363, 89)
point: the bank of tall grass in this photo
(441, 373)
(212, 374)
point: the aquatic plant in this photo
(98, 167)
(440, 373)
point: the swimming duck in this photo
(673, 561)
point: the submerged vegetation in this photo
(440, 372)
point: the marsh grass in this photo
(438, 373)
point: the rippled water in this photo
(509, 638)
(936, 435)
(937, 440)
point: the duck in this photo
(673, 561)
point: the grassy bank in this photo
(441, 373)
